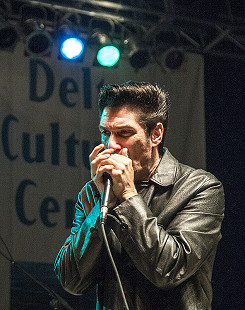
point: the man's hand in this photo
(122, 174)
(96, 169)
(120, 168)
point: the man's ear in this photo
(157, 134)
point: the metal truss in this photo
(156, 25)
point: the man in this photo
(164, 218)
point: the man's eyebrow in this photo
(102, 127)
(119, 127)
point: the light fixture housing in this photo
(8, 35)
(138, 55)
(38, 41)
(173, 58)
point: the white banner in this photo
(49, 125)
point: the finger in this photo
(101, 156)
(96, 151)
(107, 151)
(104, 152)
(115, 161)
(117, 158)
(103, 169)
(125, 152)
(98, 159)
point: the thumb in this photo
(125, 152)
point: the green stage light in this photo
(108, 56)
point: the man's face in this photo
(120, 129)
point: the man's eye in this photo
(105, 133)
(124, 133)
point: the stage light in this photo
(108, 56)
(38, 41)
(107, 51)
(8, 35)
(173, 58)
(72, 48)
(138, 56)
(71, 44)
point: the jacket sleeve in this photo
(77, 263)
(169, 255)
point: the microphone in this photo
(105, 197)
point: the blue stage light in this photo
(72, 48)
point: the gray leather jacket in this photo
(163, 241)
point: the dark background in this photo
(225, 129)
(225, 141)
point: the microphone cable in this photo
(103, 216)
(114, 265)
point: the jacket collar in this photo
(165, 173)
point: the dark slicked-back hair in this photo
(149, 101)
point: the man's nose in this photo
(113, 142)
